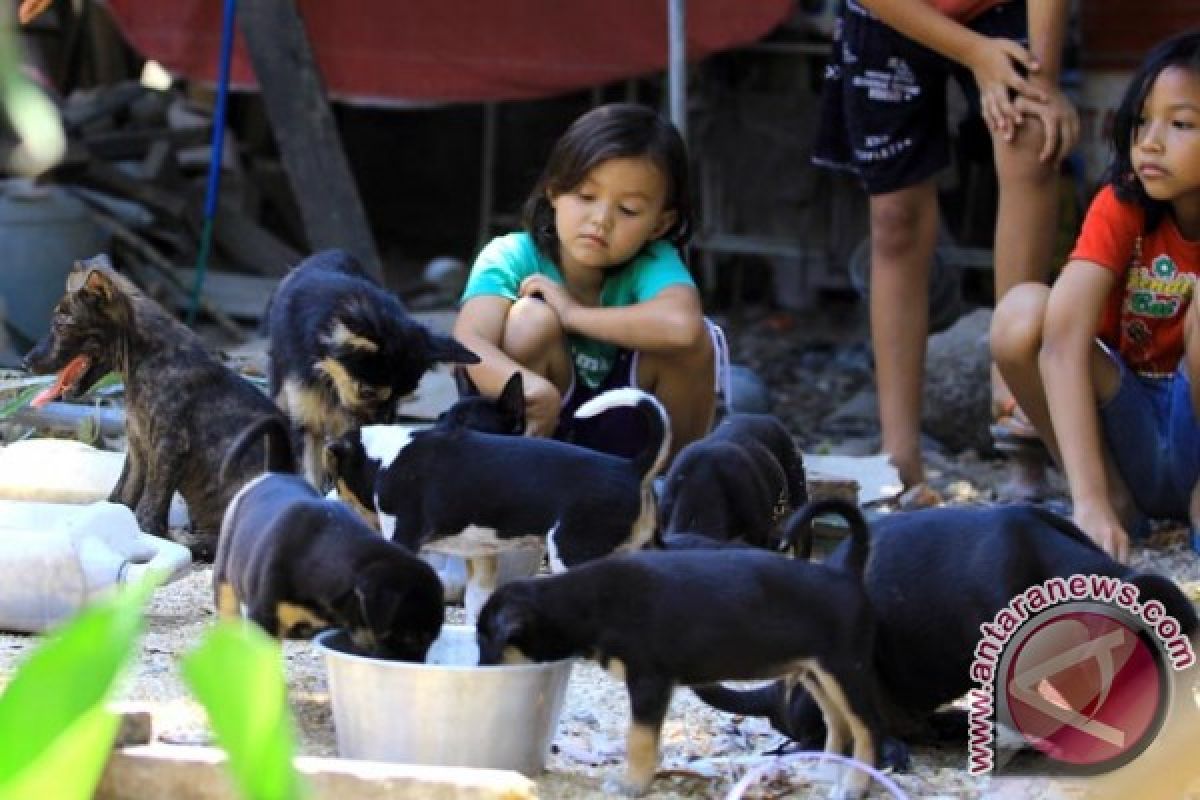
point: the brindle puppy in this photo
(182, 407)
(344, 351)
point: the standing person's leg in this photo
(903, 236)
(1026, 218)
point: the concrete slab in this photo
(198, 773)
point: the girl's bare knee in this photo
(1019, 162)
(531, 330)
(1016, 332)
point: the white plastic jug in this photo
(66, 471)
(55, 558)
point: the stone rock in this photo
(957, 392)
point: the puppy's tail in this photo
(651, 460)
(1152, 586)
(770, 701)
(797, 531)
(278, 446)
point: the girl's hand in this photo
(1105, 530)
(1060, 123)
(994, 65)
(553, 293)
(542, 405)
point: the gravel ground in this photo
(811, 372)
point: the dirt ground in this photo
(809, 373)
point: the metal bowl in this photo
(446, 712)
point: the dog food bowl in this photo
(448, 711)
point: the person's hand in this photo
(994, 64)
(542, 406)
(29, 10)
(553, 293)
(1060, 122)
(1102, 525)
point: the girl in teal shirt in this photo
(593, 294)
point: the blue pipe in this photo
(213, 187)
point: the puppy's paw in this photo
(624, 787)
(202, 546)
(894, 754)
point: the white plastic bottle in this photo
(55, 558)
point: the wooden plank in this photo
(198, 773)
(250, 244)
(305, 130)
(236, 295)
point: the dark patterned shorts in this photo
(883, 106)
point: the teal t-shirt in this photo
(507, 260)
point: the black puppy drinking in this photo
(344, 351)
(182, 407)
(661, 619)
(935, 576)
(294, 562)
(738, 482)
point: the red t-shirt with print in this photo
(1156, 278)
(965, 10)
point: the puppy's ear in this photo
(511, 401)
(509, 623)
(338, 455)
(91, 281)
(377, 605)
(345, 338)
(446, 350)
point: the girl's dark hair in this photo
(617, 130)
(1179, 51)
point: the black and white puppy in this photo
(738, 482)
(657, 620)
(442, 482)
(343, 351)
(294, 563)
(935, 576)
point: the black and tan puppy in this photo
(182, 406)
(294, 563)
(738, 482)
(662, 619)
(935, 576)
(343, 351)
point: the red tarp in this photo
(396, 51)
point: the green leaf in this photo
(237, 675)
(109, 379)
(56, 731)
(20, 401)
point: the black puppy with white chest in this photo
(661, 619)
(294, 562)
(448, 481)
(935, 576)
(738, 482)
(343, 351)
(182, 406)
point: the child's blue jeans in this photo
(1154, 439)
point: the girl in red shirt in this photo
(1103, 361)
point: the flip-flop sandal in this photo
(1010, 422)
(918, 496)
